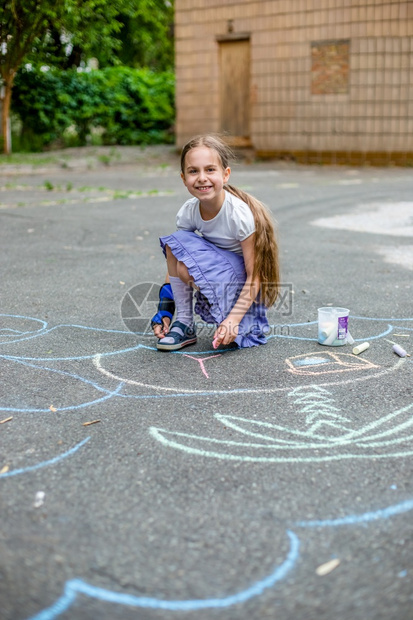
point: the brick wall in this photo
(328, 82)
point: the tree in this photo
(146, 37)
(81, 26)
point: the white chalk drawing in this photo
(319, 409)
(335, 367)
(329, 436)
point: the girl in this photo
(231, 260)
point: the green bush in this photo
(123, 105)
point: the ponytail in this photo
(266, 261)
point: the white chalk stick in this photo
(349, 339)
(331, 337)
(327, 331)
(360, 348)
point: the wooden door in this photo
(235, 90)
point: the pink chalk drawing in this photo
(201, 361)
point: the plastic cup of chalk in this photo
(333, 327)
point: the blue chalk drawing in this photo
(6, 333)
(313, 360)
(367, 517)
(77, 586)
(389, 330)
(86, 331)
(56, 459)
(95, 386)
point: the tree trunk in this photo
(5, 121)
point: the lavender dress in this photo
(220, 275)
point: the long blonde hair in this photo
(266, 261)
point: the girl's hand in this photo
(159, 330)
(226, 332)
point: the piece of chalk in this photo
(333, 335)
(399, 350)
(360, 348)
(215, 343)
(327, 331)
(349, 338)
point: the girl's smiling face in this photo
(204, 177)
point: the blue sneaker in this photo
(178, 337)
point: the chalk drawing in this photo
(366, 517)
(77, 586)
(325, 433)
(313, 364)
(291, 326)
(250, 390)
(74, 587)
(318, 403)
(308, 364)
(354, 319)
(54, 397)
(87, 337)
(56, 459)
(14, 327)
(322, 422)
(329, 436)
(201, 362)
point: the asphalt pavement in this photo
(267, 483)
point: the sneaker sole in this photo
(175, 347)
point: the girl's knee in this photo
(169, 252)
(177, 268)
(183, 273)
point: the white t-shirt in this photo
(233, 223)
